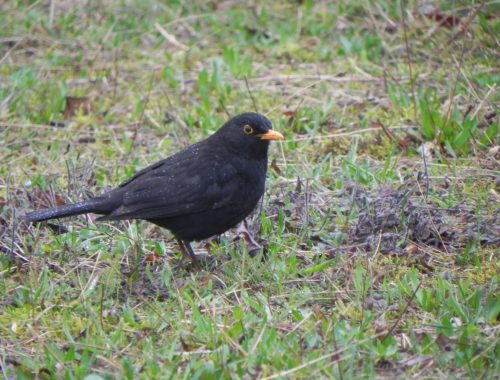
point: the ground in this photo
(379, 227)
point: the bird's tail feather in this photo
(99, 206)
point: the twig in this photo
(408, 57)
(390, 135)
(335, 346)
(317, 78)
(294, 95)
(251, 96)
(466, 23)
(346, 134)
(221, 103)
(6, 55)
(453, 90)
(141, 117)
(170, 37)
(426, 174)
(403, 313)
(51, 13)
(284, 374)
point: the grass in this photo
(380, 220)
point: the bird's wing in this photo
(176, 187)
(184, 155)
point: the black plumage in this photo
(201, 191)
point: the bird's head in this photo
(248, 134)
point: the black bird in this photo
(201, 191)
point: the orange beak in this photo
(271, 135)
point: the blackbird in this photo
(201, 191)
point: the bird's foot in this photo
(253, 248)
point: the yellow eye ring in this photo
(248, 129)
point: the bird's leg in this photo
(194, 258)
(186, 249)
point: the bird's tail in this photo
(97, 205)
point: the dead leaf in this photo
(206, 280)
(37, 30)
(58, 200)
(45, 199)
(152, 258)
(411, 249)
(185, 347)
(318, 312)
(443, 20)
(427, 150)
(275, 167)
(76, 104)
(418, 360)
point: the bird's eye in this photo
(248, 129)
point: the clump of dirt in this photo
(398, 220)
(390, 219)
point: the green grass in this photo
(377, 263)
